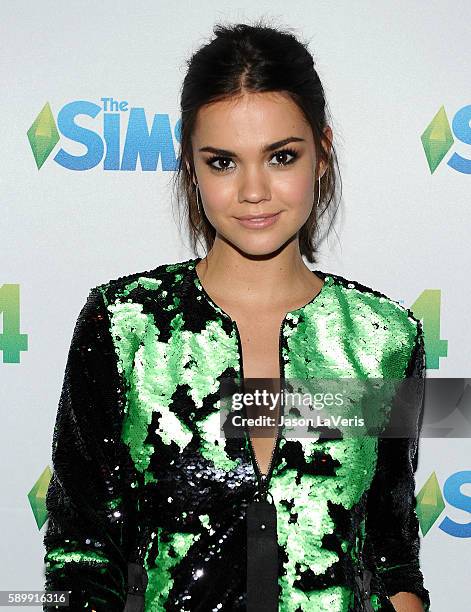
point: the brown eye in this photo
(212, 160)
(283, 153)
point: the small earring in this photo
(318, 190)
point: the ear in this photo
(190, 173)
(326, 145)
(327, 141)
(322, 167)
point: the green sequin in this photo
(172, 346)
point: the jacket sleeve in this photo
(391, 523)
(89, 501)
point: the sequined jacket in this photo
(142, 482)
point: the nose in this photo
(254, 186)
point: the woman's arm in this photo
(392, 523)
(89, 505)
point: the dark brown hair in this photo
(254, 58)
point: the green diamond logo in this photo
(37, 497)
(430, 503)
(43, 135)
(437, 139)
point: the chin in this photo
(260, 245)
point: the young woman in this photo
(150, 508)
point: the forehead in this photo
(252, 118)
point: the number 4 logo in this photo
(11, 341)
(427, 308)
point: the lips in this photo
(256, 217)
(260, 221)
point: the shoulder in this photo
(370, 306)
(139, 285)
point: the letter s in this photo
(462, 130)
(454, 496)
(69, 129)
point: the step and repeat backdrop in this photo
(90, 134)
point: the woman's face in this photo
(254, 156)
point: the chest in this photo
(260, 340)
(174, 367)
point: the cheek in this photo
(219, 199)
(219, 196)
(295, 192)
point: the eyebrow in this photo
(265, 149)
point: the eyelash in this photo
(292, 152)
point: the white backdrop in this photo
(387, 68)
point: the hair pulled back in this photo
(254, 58)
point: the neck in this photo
(279, 280)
